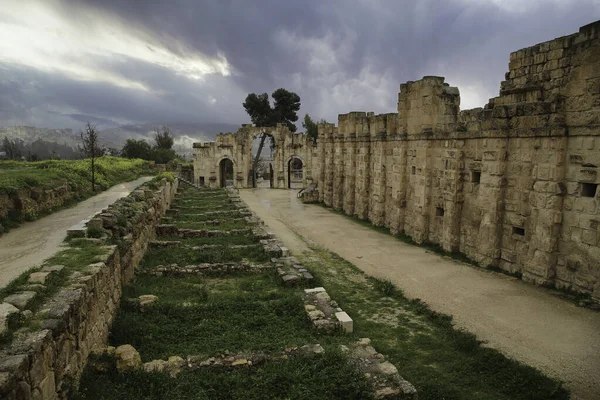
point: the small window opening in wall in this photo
(476, 177)
(439, 212)
(414, 170)
(518, 231)
(589, 189)
(201, 181)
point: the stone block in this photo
(53, 268)
(7, 312)
(315, 290)
(38, 277)
(20, 300)
(95, 223)
(76, 232)
(345, 321)
(127, 357)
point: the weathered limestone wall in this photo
(512, 185)
(31, 202)
(237, 147)
(46, 362)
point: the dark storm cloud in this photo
(337, 55)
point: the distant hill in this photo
(46, 142)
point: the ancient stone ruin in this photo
(513, 185)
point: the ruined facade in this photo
(512, 185)
(210, 157)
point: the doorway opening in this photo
(262, 159)
(295, 173)
(226, 172)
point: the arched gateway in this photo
(228, 160)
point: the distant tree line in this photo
(160, 152)
(17, 149)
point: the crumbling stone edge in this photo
(47, 362)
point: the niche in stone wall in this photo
(439, 211)
(414, 170)
(476, 177)
(518, 231)
(589, 189)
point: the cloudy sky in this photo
(63, 62)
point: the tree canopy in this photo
(163, 137)
(160, 153)
(285, 108)
(311, 127)
(137, 149)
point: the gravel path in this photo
(525, 322)
(33, 242)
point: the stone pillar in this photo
(363, 191)
(349, 169)
(338, 164)
(453, 195)
(325, 145)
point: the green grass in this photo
(217, 240)
(191, 216)
(328, 376)
(223, 226)
(186, 256)
(238, 312)
(208, 315)
(16, 175)
(441, 361)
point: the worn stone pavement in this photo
(528, 323)
(33, 242)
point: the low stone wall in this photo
(28, 203)
(46, 362)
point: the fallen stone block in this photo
(127, 358)
(38, 277)
(7, 313)
(345, 321)
(95, 223)
(146, 300)
(20, 300)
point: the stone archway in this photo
(295, 173)
(266, 158)
(226, 173)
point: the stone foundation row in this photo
(324, 313)
(291, 272)
(201, 269)
(383, 376)
(177, 244)
(174, 231)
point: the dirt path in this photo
(524, 322)
(33, 242)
